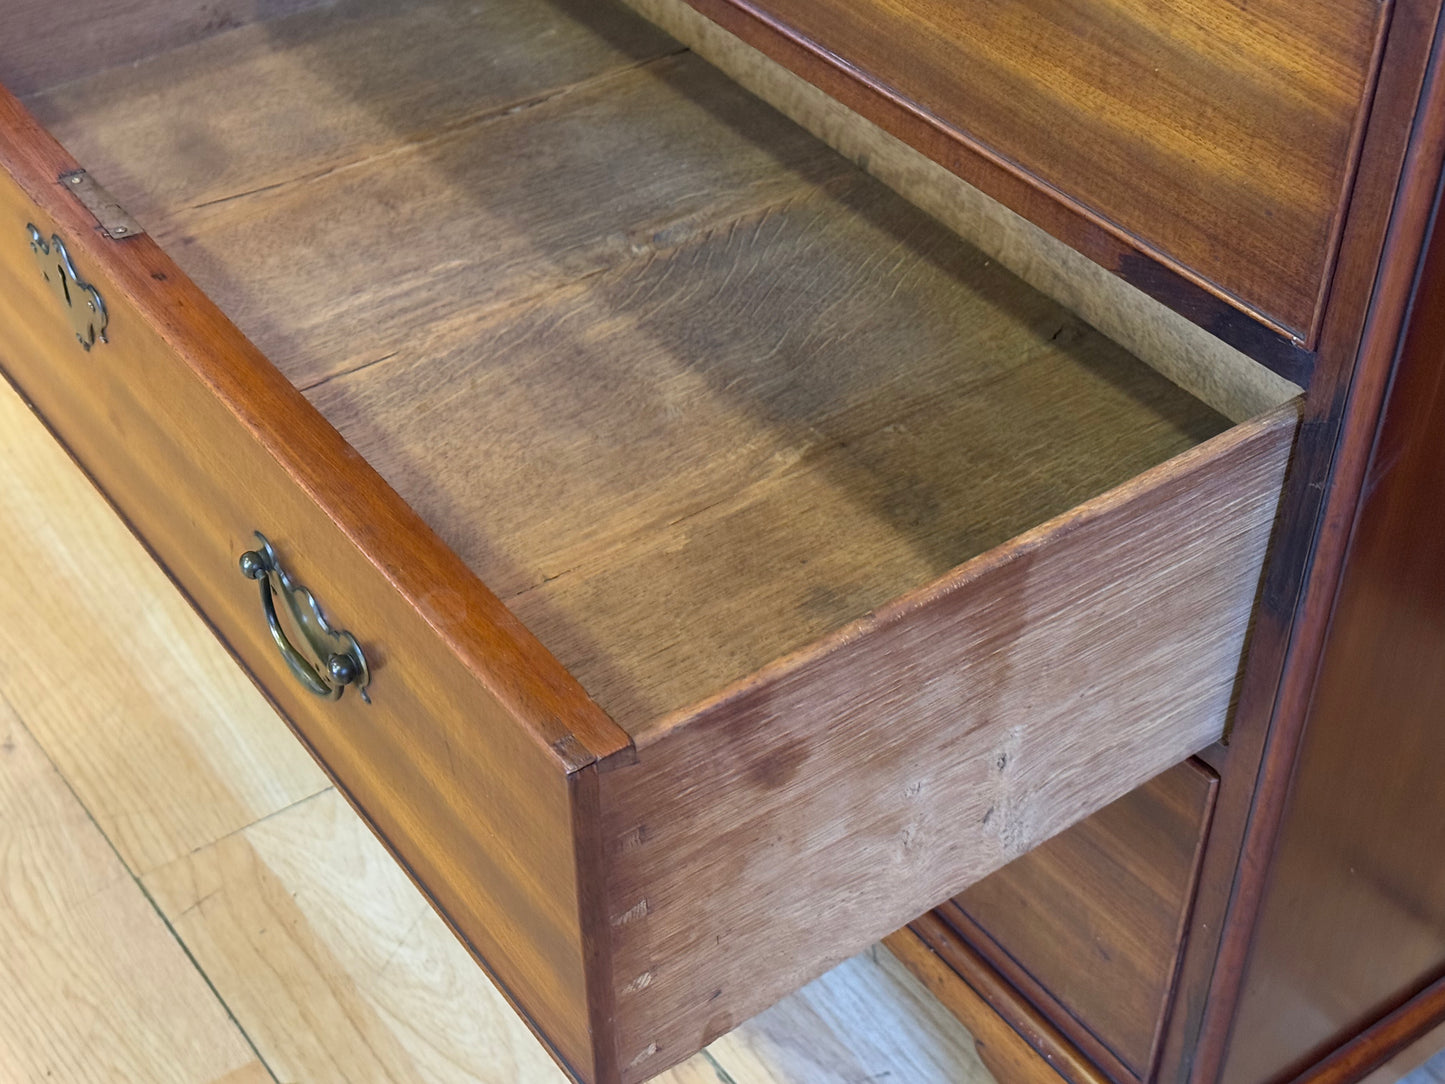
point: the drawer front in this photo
(1092, 922)
(473, 759)
(1212, 137)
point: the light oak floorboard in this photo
(340, 971)
(92, 985)
(163, 739)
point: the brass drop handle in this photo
(341, 661)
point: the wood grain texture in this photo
(677, 473)
(1353, 915)
(1391, 1038)
(341, 971)
(367, 210)
(1094, 918)
(690, 227)
(1016, 1042)
(39, 50)
(87, 967)
(328, 958)
(1197, 361)
(1212, 139)
(198, 439)
(293, 99)
(1394, 197)
(512, 863)
(833, 795)
(225, 759)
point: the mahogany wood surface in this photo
(1094, 918)
(232, 442)
(1354, 911)
(1209, 140)
(844, 789)
(1380, 1049)
(199, 441)
(1018, 1043)
(1424, 1058)
(1389, 212)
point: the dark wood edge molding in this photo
(1352, 169)
(1393, 201)
(945, 963)
(1387, 1037)
(546, 702)
(593, 920)
(1026, 990)
(1186, 925)
(1283, 349)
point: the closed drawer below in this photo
(744, 564)
(1090, 926)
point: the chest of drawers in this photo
(691, 558)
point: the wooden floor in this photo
(184, 898)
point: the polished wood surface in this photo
(1422, 1062)
(1094, 918)
(1362, 323)
(520, 866)
(1219, 145)
(1382, 1049)
(201, 442)
(224, 771)
(1191, 357)
(654, 277)
(279, 942)
(1354, 911)
(1019, 1043)
(1391, 210)
(906, 757)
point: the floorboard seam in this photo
(145, 893)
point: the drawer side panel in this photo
(466, 762)
(840, 793)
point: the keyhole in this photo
(64, 283)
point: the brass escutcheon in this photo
(82, 301)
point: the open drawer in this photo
(742, 563)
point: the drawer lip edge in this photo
(976, 567)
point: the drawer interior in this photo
(685, 387)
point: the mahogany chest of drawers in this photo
(696, 560)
